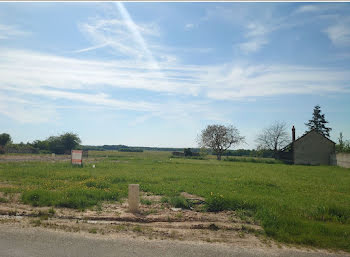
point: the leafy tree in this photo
(187, 152)
(318, 122)
(5, 139)
(41, 144)
(219, 138)
(273, 137)
(70, 141)
(55, 145)
(343, 146)
(63, 143)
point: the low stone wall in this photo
(341, 159)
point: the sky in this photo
(156, 74)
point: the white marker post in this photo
(134, 198)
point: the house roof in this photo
(313, 130)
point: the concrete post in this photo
(134, 197)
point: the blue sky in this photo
(156, 74)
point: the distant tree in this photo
(187, 152)
(219, 138)
(343, 146)
(273, 137)
(318, 122)
(41, 144)
(55, 145)
(63, 143)
(203, 152)
(341, 142)
(5, 139)
(70, 141)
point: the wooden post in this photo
(134, 198)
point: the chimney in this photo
(293, 134)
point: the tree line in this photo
(271, 140)
(61, 144)
(214, 139)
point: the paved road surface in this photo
(38, 242)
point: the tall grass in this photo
(295, 204)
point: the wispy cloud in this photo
(141, 63)
(8, 31)
(26, 111)
(257, 35)
(87, 49)
(337, 16)
(40, 71)
(121, 35)
(320, 8)
(257, 81)
(339, 33)
(189, 26)
(253, 45)
(309, 8)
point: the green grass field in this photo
(307, 205)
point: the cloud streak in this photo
(339, 33)
(9, 31)
(42, 71)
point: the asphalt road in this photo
(28, 242)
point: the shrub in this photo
(216, 203)
(180, 202)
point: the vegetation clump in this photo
(180, 202)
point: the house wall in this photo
(341, 159)
(313, 149)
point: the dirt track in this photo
(33, 157)
(154, 221)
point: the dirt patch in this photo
(33, 157)
(155, 220)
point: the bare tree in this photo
(273, 137)
(219, 138)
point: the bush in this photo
(180, 202)
(216, 203)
